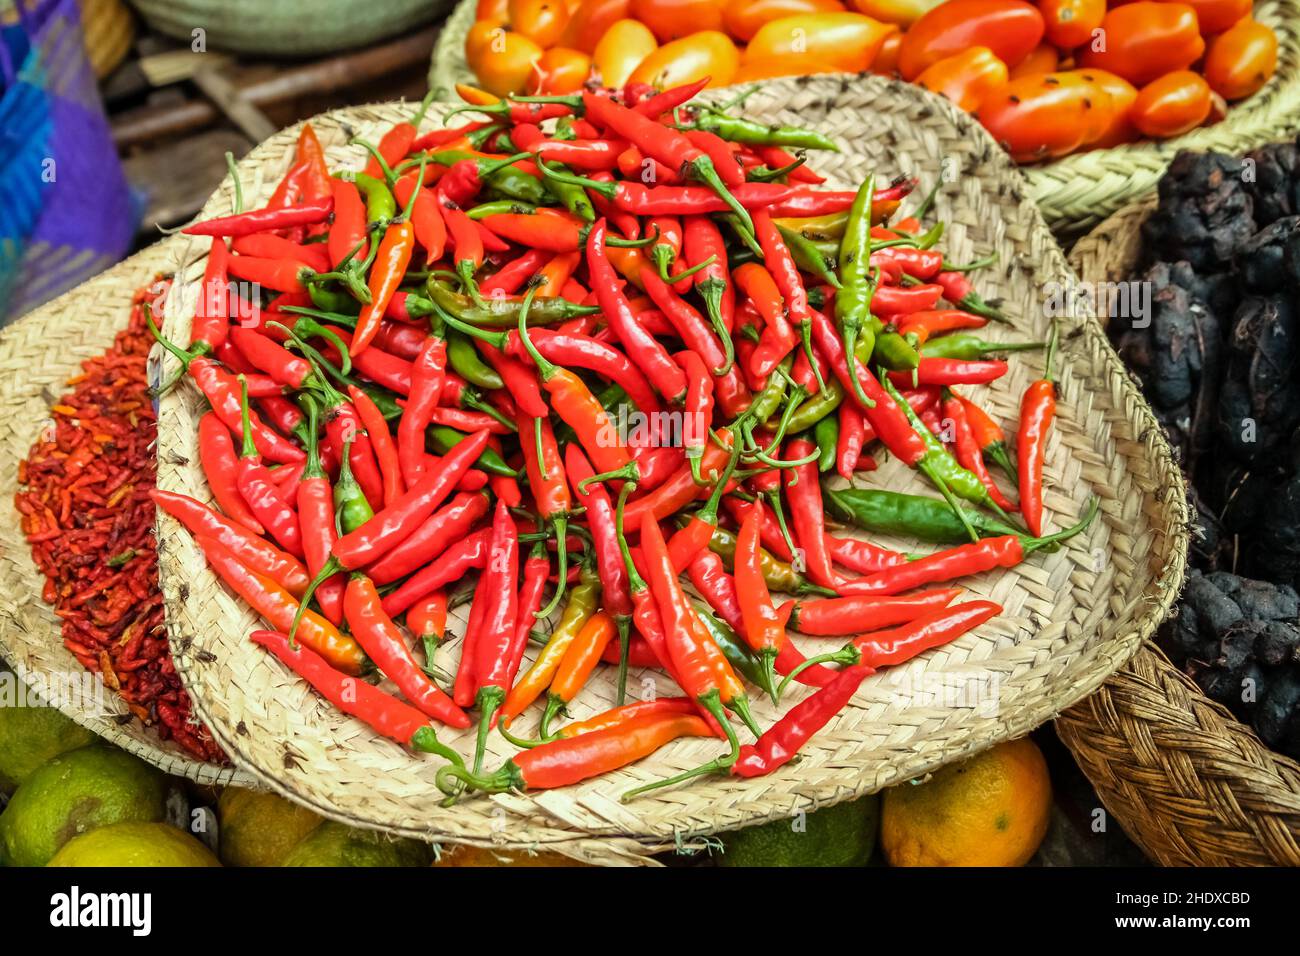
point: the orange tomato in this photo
(902, 12)
(542, 21)
(588, 23)
(1070, 23)
(620, 51)
(770, 67)
(706, 54)
(674, 19)
(1241, 60)
(505, 65)
(1118, 127)
(886, 61)
(742, 18)
(1043, 116)
(491, 10)
(1171, 105)
(845, 41)
(561, 70)
(482, 34)
(1010, 28)
(1215, 16)
(1144, 40)
(1042, 59)
(966, 78)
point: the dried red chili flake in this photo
(89, 520)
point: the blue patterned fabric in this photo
(66, 212)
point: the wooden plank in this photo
(177, 179)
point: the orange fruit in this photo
(991, 810)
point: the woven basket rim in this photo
(39, 352)
(1246, 795)
(554, 818)
(1077, 191)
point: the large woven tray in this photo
(38, 354)
(1076, 192)
(1071, 617)
(1189, 783)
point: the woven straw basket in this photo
(1071, 618)
(38, 354)
(1188, 782)
(1076, 192)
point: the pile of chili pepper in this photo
(429, 401)
(88, 517)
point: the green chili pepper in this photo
(444, 439)
(961, 481)
(778, 575)
(504, 313)
(381, 207)
(738, 654)
(818, 407)
(335, 301)
(890, 349)
(968, 345)
(571, 195)
(809, 257)
(739, 130)
(466, 362)
(767, 401)
(892, 512)
(500, 206)
(853, 301)
(826, 436)
(351, 509)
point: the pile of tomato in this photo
(1045, 78)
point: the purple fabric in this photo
(87, 216)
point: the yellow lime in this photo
(135, 844)
(259, 829)
(73, 794)
(839, 835)
(333, 844)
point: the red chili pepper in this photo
(253, 552)
(680, 489)
(782, 741)
(537, 571)
(382, 712)
(774, 157)
(452, 565)
(939, 627)
(381, 442)
(267, 246)
(588, 154)
(385, 645)
(220, 464)
(280, 275)
(344, 428)
(807, 513)
(386, 274)
(642, 347)
(495, 633)
(426, 215)
(862, 556)
(946, 371)
(856, 615)
(988, 435)
(264, 220)
(888, 301)
(511, 277)
(263, 496)
(279, 607)
(851, 439)
(427, 374)
(582, 351)
(395, 145)
(428, 618)
(1037, 412)
(932, 322)
(347, 235)
(701, 241)
(211, 314)
(1005, 551)
(266, 355)
(690, 326)
(764, 627)
(314, 496)
(449, 524)
(546, 479)
(720, 152)
(656, 104)
(466, 240)
(968, 451)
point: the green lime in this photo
(839, 835)
(29, 736)
(73, 794)
(135, 844)
(259, 829)
(333, 844)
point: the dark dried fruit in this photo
(1205, 212)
